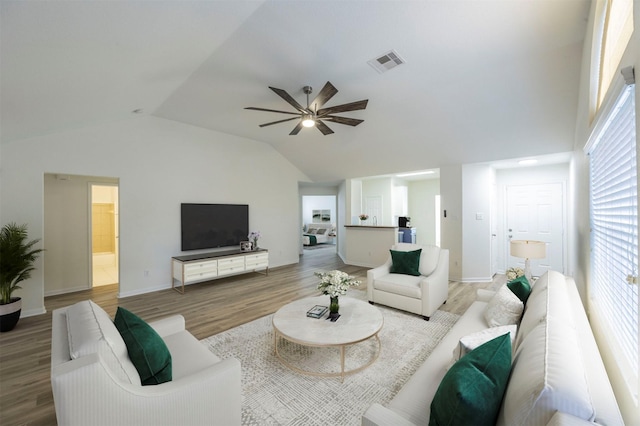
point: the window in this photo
(614, 231)
(617, 30)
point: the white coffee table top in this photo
(358, 321)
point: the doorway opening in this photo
(104, 234)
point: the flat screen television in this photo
(213, 225)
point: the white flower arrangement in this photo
(513, 273)
(335, 283)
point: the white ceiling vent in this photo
(386, 62)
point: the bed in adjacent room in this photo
(318, 233)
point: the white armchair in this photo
(94, 382)
(421, 295)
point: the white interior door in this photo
(373, 207)
(536, 212)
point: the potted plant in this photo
(16, 264)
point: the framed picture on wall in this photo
(245, 245)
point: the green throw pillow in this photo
(472, 390)
(147, 350)
(405, 262)
(520, 287)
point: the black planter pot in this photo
(10, 314)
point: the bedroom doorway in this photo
(104, 234)
(319, 223)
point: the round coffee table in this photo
(359, 321)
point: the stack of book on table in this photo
(317, 311)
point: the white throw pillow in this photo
(471, 341)
(90, 330)
(504, 308)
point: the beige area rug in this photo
(272, 394)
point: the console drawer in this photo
(231, 265)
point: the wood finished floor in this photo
(208, 308)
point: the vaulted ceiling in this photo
(483, 80)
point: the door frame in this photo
(563, 213)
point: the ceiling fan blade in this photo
(323, 128)
(326, 93)
(353, 106)
(284, 95)
(279, 121)
(272, 110)
(343, 120)
(296, 129)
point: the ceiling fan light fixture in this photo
(308, 121)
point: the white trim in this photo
(617, 91)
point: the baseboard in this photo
(32, 312)
(476, 280)
(65, 291)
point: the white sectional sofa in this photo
(95, 383)
(557, 375)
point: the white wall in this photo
(318, 202)
(422, 197)
(451, 202)
(477, 181)
(159, 164)
(580, 194)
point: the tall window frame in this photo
(613, 293)
(615, 33)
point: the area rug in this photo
(272, 394)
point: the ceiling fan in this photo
(313, 114)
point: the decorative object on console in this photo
(514, 272)
(253, 237)
(246, 246)
(334, 284)
(528, 249)
(16, 263)
(363, 218)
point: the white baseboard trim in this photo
(32, 312)
(65, 291)
(476, 280)
(137, 292)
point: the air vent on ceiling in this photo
(386, 62)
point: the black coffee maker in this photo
(404, 222)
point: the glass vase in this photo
(334, 307)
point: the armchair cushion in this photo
(404, 285)
(147, 350)
(405, 262)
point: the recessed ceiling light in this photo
(428, 172)
(527, 162)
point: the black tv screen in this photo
(213, 225)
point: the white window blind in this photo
(614, 224)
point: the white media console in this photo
(208, 266)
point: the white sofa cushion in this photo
(472, 341)
(548, 299)
(405, 285)
(504, 308)
(90, 330)
(547, 376)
